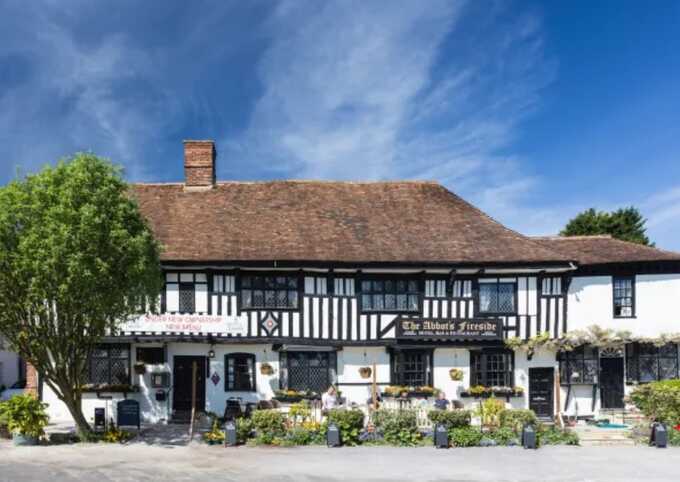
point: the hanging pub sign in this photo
(453, 329)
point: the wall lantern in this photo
(211, 353)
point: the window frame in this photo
(632, 354)
(140, 359)
(578, 354)
(107, 347)
(397, 376)
(284, 365)
(395, 278)
(497, 283)
(483, 355)
(251, 363)
(299, 287)
(630, 278)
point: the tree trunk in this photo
(74, 405)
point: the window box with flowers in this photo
(399, 391)
(295, 396)
(480, 391)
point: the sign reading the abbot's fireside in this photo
(468, 329)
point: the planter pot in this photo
(20, 440)
(266, 369)
(365, 372)
(456, 374)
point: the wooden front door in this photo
(611, 382)
(541, 391)
(182, 374)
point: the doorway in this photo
(182, 374)
(541, 392)
(611, 382)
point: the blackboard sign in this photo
(128, 413)
(451, 329)
(99, 418)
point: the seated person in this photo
(329, 399)
(441, 403)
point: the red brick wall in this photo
(199, 163)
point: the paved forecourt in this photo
(141, 462)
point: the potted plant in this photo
(365, 372)
(26, 418)
(456, 374)
(266, 369)
(140, 368)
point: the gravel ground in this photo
(142, 462)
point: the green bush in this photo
(660, 401)
(349, 422)
(244, 427)
(25, 414)
(503, 436)
(399, 427)
(269, 424)
(516, 418)
(465, 437)
(555, 436)
(299, 436)
(673, 437)
(450, 418)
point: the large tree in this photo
(76, 259)
(626, 224)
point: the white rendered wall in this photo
(350, 359)
(657, 304)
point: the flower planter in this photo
(20, 440)
(266, 369)
(365, 372)
(456, 374)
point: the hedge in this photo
(450, 418)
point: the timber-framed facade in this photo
(297, 285)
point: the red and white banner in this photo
(191, 324)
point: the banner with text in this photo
(191, 324)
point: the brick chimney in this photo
(199, 163)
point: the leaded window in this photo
(109, 365)
(491, 368)
(239, 372)
(276, 291)
(579, 366)
(497, 297)
(389, 295)
(307, 370)
(412, 368)
(624, 296)
(646, 362)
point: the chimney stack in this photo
(199, 163)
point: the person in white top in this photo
(329, 399)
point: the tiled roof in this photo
(590, 250)
(315, 221)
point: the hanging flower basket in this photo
(140, 368)
(365, 372)
(266, 369)
(456, 374)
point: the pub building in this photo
(297, 285)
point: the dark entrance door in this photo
(541, 388)
(182, 374)
(611, 382)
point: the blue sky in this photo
(531, 110)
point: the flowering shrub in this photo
(660, 401)
(399, 427)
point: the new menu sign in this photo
(224, 325)
(467, 329)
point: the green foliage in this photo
(215, 435)
(554, 436)
(503, 435)
(269, 424)
(626, 224)
(25, 414)
(660, 401)
(299, 412)
(465, 437)
(450, 418)
(516, 418)
(350, 423)
(115, 435)
(489, 411)
(673, 436)
(74, 248)
(244, 426)
(399, 427)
